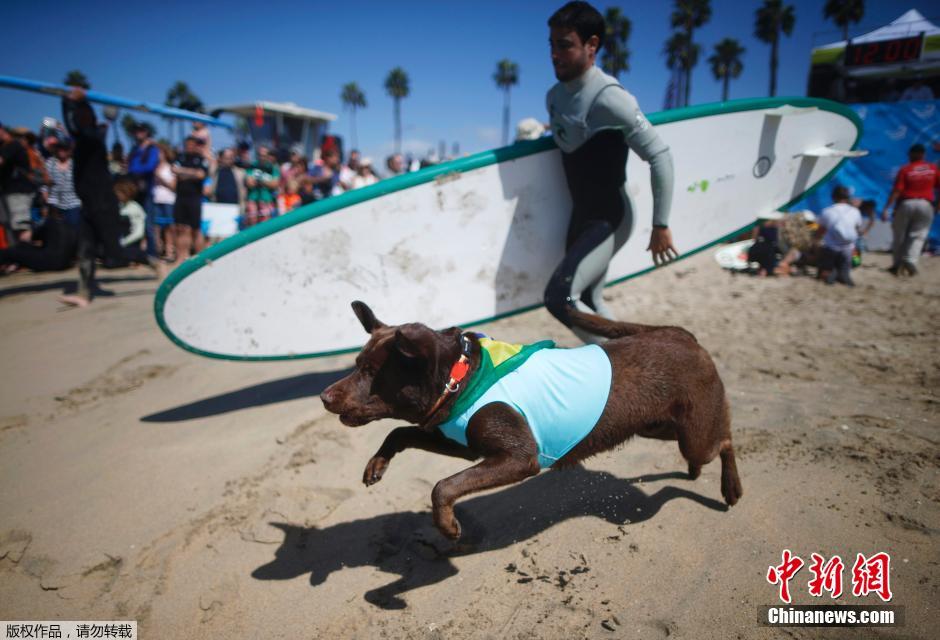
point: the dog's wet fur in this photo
(664, 385)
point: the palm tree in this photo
(181, 96)
(726, 63)
(506, 76)
(76, 78)
(843, 12)
(616, 56)
(396, 85)
(688, 15)
(772, 18)
(353, 98)
(681, 56)
(129, 124)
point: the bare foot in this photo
(160, 268)
(75, 301)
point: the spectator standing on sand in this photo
(190, 169)
(839, 226)
(62, 198)
(364, 175)
(141, 166)
(915, 191)
(395, 165)
(349, 170)
(227, 181)
(164, 198)
(325, 176)
(16, 188)
(261, 180)
(294, 169)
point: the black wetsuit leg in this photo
(601, 222)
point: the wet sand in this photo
(210, 499)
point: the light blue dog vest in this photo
(560, 392)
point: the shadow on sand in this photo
(406, 544)
(307, 385)
(70, 286)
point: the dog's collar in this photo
(458, 373)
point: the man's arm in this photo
(616, 108)
(78, 116)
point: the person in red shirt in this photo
(915, 192)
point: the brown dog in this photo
(663, 385)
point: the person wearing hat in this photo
(365, 175)
(16, 188)
(141, 166)
(915, 191)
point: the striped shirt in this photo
(62, 192)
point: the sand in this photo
(211, 499)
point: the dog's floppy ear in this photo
(414, 340)
(369, 322)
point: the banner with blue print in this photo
(889, 130)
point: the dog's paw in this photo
(450, 529)
(375, 469)
(731, 488)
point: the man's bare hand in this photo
(661, 246)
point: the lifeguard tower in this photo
(282, 126)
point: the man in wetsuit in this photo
(595, 122)
(100, 224)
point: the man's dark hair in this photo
(917, 149)
(584, 19)
(194, 139)
(840, 193)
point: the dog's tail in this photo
(601, 326)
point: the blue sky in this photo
(304, 52)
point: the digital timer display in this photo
(884, 52)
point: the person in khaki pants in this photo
(915, 192)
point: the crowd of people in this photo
(159, 190)
(833, 241)
(160, 193)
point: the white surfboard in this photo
(477, 238)
(734, 256)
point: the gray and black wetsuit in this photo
(595, 122)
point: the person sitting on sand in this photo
(52, 247)
(798, 241)
(765, 250)
(135, 220)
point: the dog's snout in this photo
(328, 397)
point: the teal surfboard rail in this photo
(463, 165)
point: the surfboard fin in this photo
(826, 152)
